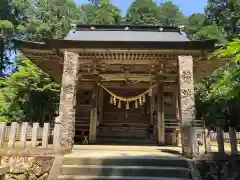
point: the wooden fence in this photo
(226, 136)
(26, 135)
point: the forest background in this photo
(29, 94)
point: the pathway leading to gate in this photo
(119, 150)
(115, 162)
(107, 162)
(157, 150)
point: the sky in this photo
(186, 6)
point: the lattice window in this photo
(84, 97)
(168, 98)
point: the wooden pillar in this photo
(151, 101)
(93, 116)
(154, 110)
(155, 115)
(161, 129)
(179, 137)
(67, 106)
(100, 105)
(151, 104)
(187, 105)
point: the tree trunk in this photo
(1, 57)
(207, 141)
(220, 140)
(233, 140)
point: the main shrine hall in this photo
(125, 84)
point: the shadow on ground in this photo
(170, 151)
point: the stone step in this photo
(122, 135)
(120, 128)
(78, 177)
(104, 170)
(128, 161)
(123, 131)
(110, 124)
(126, 140)
(132, 121)
(132, 133)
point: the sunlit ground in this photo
(227, 146)
(135, 149)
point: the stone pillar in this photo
(187, 105)
(67, 106)
(160, 115)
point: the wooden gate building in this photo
(124, 84)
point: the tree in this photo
(232, 49)
(52, 19)
(28, 94)
(222, 91)
(226, 14)
(198, 27)
(169, 14)
(102, 12)
(142, 12)
(6, 33)
(13, 14)
(89, 11)
(99, 2)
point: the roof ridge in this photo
(126, 27)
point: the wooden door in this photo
(113, 114)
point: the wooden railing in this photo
(174, 124)
(226, 136)
(26, 136)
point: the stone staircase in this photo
(125, 133)
(125, 168)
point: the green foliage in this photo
(218, 96)
(232, 49)
(223, 89)
(6, 29)
(104, 13)
(148, 12)
(142, 12)
(198, 27)
(28, 94)
(52, 19)
(226, 14)
(170, 15)
(99, 2)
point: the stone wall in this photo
(215, 165)
(27, 168)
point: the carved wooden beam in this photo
(168, 87)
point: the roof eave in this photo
(140, 45)
(207, 45)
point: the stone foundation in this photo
(31, 168)
(218, 166)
